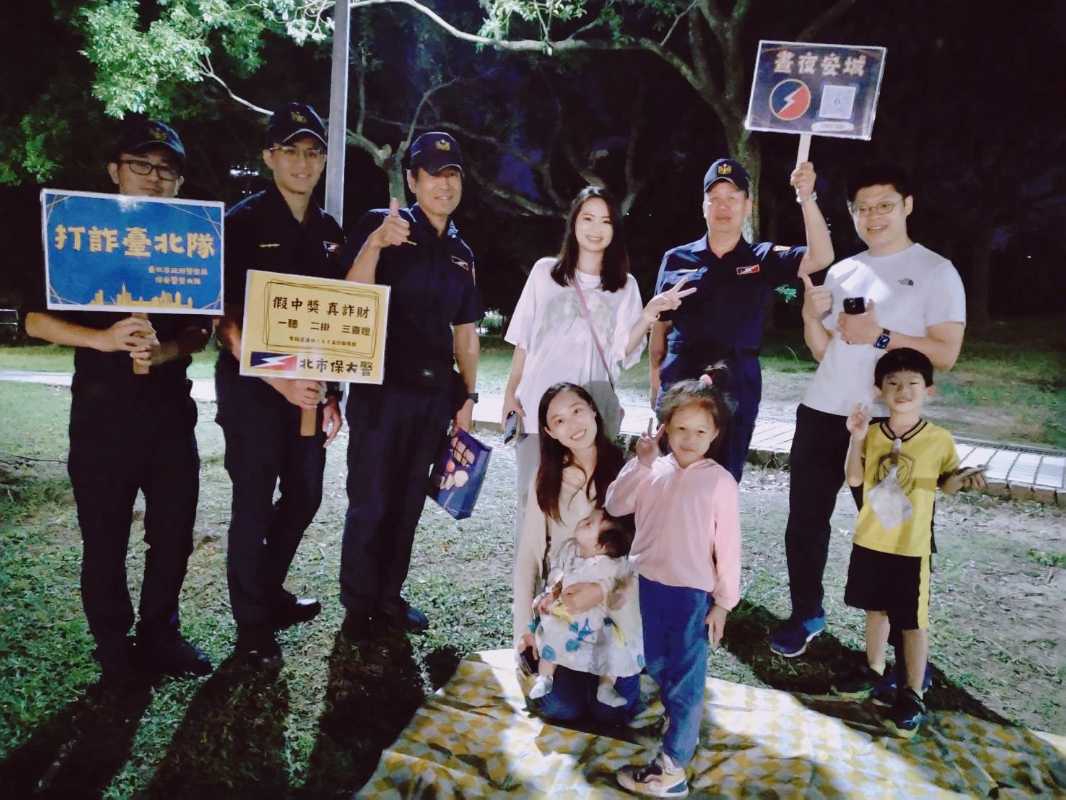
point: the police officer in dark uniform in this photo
(733, 279)
(131, 433)
(281, 229)
(397, 429)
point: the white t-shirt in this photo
(912, 290)
(548, 324)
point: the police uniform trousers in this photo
(395, 433)
(265, 452)
(745, 388)
(118, 446)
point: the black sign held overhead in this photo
(820, 89)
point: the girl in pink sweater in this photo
(687, 552)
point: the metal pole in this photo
(338, 112)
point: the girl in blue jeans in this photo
(687, 552)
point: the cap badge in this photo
(725, 169)
(158, 134)
(298, 117)
(443, 144)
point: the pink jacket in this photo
(688, 524)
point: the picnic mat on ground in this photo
(474, 738)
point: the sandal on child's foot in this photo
(608, 695)
(541, 687)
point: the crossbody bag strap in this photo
(595, 339)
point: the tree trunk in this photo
(397, 185)
(746, 150)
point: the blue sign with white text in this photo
(112, 252)
(821, 89)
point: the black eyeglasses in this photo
(138, 167)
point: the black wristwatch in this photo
(881, 343)
(472, 396)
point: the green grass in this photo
(316, 729)
(56, 358)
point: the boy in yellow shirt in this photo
(899, 462)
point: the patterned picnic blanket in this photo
(475, 738)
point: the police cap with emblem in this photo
(140, 134)
(726, 169)
(293, 120)
(433, 152)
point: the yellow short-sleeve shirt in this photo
(927, 452)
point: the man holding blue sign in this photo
(733, 279)
(131, 433)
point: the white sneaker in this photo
(660, 778)
(608, 695)
(541, 687)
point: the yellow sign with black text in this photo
(313, 328)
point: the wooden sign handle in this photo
(308, 420)
(140, 368)
(804, 149)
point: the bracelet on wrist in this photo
(808, 198)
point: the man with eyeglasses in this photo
(281, 229)
(131, 433)
(723, 320)
(911, 297)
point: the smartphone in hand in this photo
(527, 662)
(511, 428)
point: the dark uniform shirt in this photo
(106, 392)
(724, 317)
(262, 233)
(432, 287)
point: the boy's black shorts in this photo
(888, 582)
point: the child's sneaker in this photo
(856, 684)
(541, 687)
(884, 693)
(790, 640)
(660, 778)
(907, 715)
(608, 695)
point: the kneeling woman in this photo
(577, 464)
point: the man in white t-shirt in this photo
(912, 298)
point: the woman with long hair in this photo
(580, 320)
(577, 464)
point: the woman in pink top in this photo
(687, 552)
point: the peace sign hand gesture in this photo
(647, 446)
(858, 422)
(667, 301)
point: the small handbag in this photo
(458, 473)
(599, 348)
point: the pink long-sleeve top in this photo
(688, 524)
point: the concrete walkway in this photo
(1023, 471)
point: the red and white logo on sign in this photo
(790, 99)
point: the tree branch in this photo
(675, 23)
(208, 71)
(826, 17)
